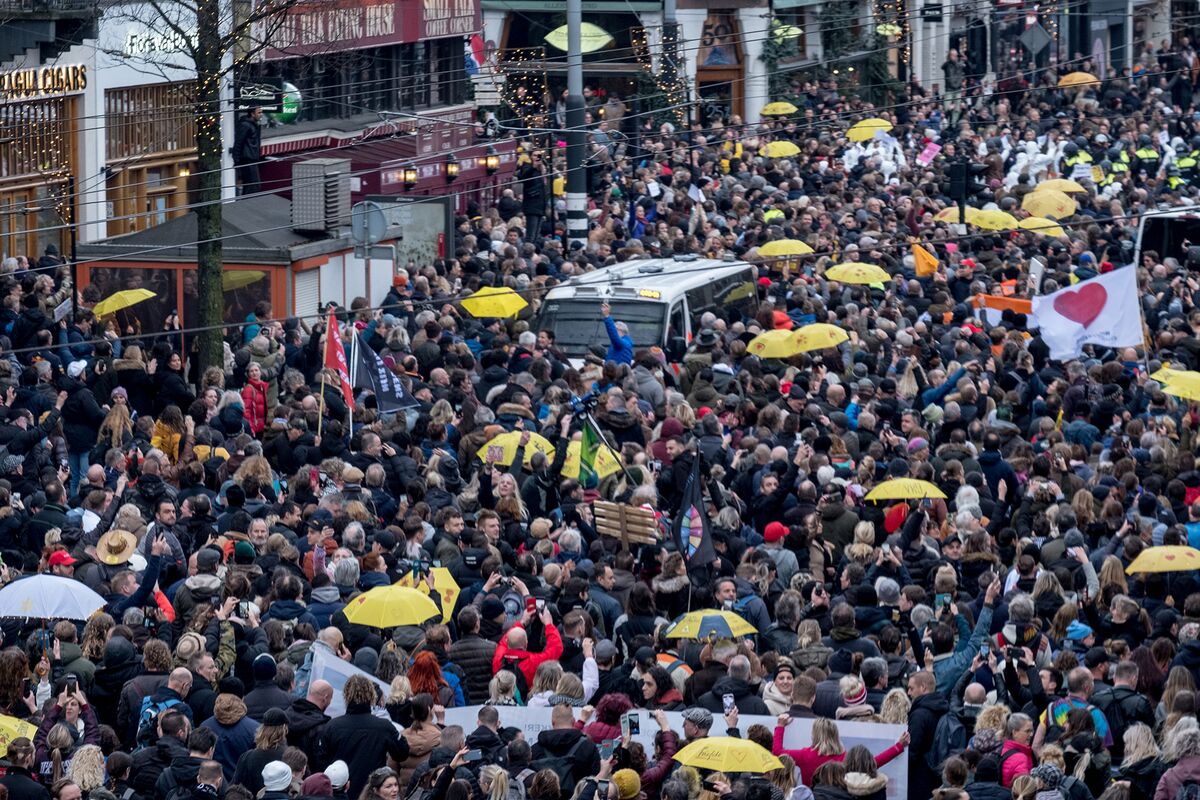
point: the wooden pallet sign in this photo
(630, 524)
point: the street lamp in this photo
(409, 176)
(452, 167)
(491, 161)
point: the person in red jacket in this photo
(826, 746)
(515, 644)
(254, 398)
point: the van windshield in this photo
(577, 324)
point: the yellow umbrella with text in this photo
(857, 272)
(728, 754)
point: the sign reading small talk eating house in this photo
(43, 81)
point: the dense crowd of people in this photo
(228, 515)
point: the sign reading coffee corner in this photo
(43, 81)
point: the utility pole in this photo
(576, 134)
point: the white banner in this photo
(1103, 310)
(328, 667)
(873, 736)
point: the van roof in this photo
(677, 275)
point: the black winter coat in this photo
(922, 722)
(81, 415)
(474, 654)
(21, 785)
(363, 741)
(558, 742)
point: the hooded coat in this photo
(235, 732)
(744, 697)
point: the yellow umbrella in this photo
(391, 607)
(1046, 227)
(780, 149)
(773, 344)
(905, 489)
(1073, 79)
(240, 278)
(709, 623)
(857, 272)
(784, 32)
(443, 583)
(1166, 558)
(494, 302)
(866, 129)
(1049, 203)
(1166, 373)
(780, 108)
(951, 214)
(1060, 185)
(607, 462)
(503, 448)
(121, 300)
(819, 336)
(995, 220)
(728, 754)
(1183, 384)
(784, 247)
(13, 728)
(591, 38)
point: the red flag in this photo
(335, 358)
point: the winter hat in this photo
(700, 717)
(1048, 774)
(264, 668)
(119, 392)
(1074, 539)
(274, 717)
(988, 769)
(775, 532)
(918, 444)
(1077, 631)
(277, 776)
(629, 784)
(986, 740)
(76, 368)
(317, 785)
(338, 774)
(189, 644)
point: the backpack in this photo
(174, 789)
(563, 766)
(513, 665)
(1189, 790)
(147, 733)
(949, 738)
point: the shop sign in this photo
(440, 18)
(43, 81)
(315, 29)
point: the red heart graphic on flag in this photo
(1084, 305)
(1169, 557)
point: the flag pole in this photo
(321, 416)
(604, 441)
(353, 374)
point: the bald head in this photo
(180, 680)
(320, 694)
(517, 639)
(331, 636)
(95, 474)
(975, 695)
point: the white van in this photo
(1170, 233)
(661, 300)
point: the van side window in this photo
(676, 326)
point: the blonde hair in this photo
(994, 717)
(1139, 744)
(1024, 787)
(546, 677)
(895, 707)
(493, 779)
(502, 687)
(87, 767)
(400, 690)
(825, 738)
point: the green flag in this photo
(589, 450)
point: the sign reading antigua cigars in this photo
(23, 84)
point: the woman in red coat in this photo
(826, 746)
(254, 398)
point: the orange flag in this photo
(926, 262)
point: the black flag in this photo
(373, 374)
(690, 526)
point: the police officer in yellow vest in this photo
(1074, 156)
(1188, 161)
(1146, 158)
(1174, 181)
(1115, 165)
